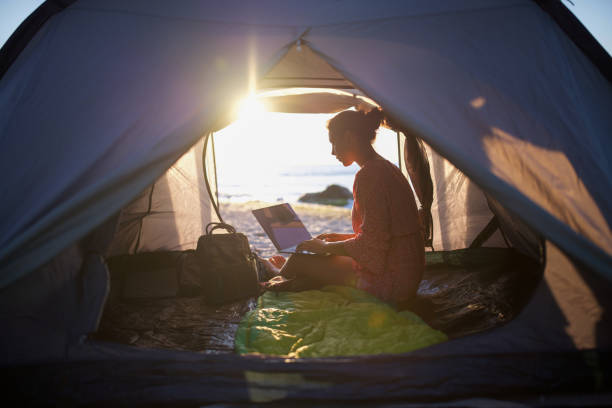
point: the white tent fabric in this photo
(495, 87)
(301, 67)
(459, 208)
(172, 213)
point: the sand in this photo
(317, 218)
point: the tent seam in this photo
(179, 18)
(244, 23)
(424, 15)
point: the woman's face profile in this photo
(342, 147)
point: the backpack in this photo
(228, 267)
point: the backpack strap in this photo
(219, 225)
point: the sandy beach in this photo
(317, 219)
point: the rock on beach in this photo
(332, 195)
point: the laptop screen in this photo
(282, 225)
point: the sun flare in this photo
(250, 109)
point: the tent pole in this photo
(399, 151)
(149, 208)
(212, 141)
(210, 193)
(486, 233)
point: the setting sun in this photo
(250, 108)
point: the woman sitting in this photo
(385, 256)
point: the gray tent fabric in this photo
(477, 115)
(515, 118)
(141, 103)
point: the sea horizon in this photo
(284, 184)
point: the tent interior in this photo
(475, 279)
(111, 302)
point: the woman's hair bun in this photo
(364, 124)
(373, 118)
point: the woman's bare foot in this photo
(277, 260)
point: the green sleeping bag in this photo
(333, 321)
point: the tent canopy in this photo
(495, 87)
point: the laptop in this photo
(283, 227)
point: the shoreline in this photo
(318, 219)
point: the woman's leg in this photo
(321, 269)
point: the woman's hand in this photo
(316, 245)
(334, 237)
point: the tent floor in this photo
(462, 292)
(180, 323)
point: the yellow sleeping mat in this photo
(333, 321)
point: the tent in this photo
(104, 106)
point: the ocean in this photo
(285, 183)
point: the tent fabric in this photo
(300, 67)
(477, 114)
(26, 31)
(139, 85)
(144, 86)
(332, 321)
(313, 100)
(519, 235)
(172, 213)
(495, 88)
(579, 35)
(459, 208)
(565, 379)
(46, 312)
(38, 312)
(457, 204)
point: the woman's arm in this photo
(330, 243)
(318, 246)
(334, 237)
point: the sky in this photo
(12, 13)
